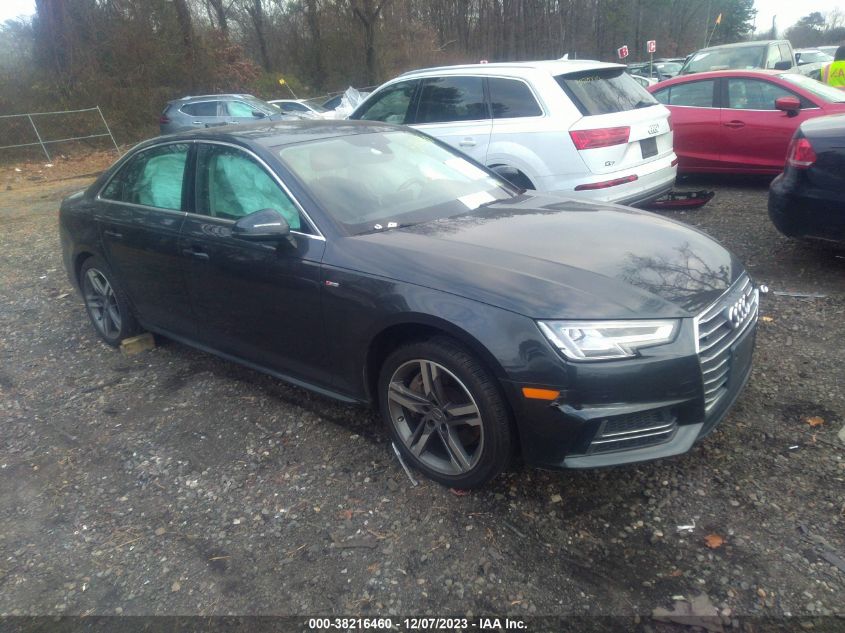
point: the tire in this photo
(446, 413)
(106, 302)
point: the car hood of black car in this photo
(551, 257)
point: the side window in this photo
(662, 95)
(290, 106)
(785, 54)
(152, 177)
(203, 108)
(696, 94)
(751, 94)
(444, 99)
(772, 56)
(231, 184)
(239, 109)
(391, 104)
(511, 98)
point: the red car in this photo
(741, 121)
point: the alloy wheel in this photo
(101, 303)
(436, 417)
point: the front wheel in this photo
(445, 413)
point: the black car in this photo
(808, 199)
(374, 264)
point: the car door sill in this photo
(264, 370)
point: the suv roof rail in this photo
(221, 94)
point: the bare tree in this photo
(367, 12)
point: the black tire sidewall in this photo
(128, 324)
(495, 417)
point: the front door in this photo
(139, 219)
(257, 301)
(756, 134)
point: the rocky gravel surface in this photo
(172, 482)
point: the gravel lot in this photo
(171, 482)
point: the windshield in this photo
(739, 58)
(813, 57)
(818, 89)
(379, 181)
(668, 67)
(604, 91)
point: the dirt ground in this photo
(172, 482)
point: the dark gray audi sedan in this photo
(373, 264)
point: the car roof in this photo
(551, 66)
(279, 133)
(716, 74)
(742, 45)
(217, 96)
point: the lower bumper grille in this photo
(635, 430)
(719, 327)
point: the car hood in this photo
(551, 257)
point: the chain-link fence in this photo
(36, 129)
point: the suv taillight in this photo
(800, 154)
(601, 137)
(163, 119)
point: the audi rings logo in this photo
(738, 312)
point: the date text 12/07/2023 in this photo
(416, 624)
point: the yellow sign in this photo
(281, 81)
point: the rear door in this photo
(755, 135)
(696, 121)
(455, 110)
(517, 121)
(202, 114)
(622, 126)
(140, 214)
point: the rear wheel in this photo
(445, 413)
(106, 303)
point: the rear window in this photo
(203, 108)
(604, 91)
(511, 98)
(693, 94)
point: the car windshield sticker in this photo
(475, 200)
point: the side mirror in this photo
(790, 105)
(798, 58)
(266, 225)
(258, 114)
(785, 65)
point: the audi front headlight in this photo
(602, 340)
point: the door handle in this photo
(114, 234)
(198, 122)
(190, 252)
(467, 142)
(735, 124)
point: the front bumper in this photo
(637, 410)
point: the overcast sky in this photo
(787, 11)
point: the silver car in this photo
(213, 110)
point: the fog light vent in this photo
(636, 430)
